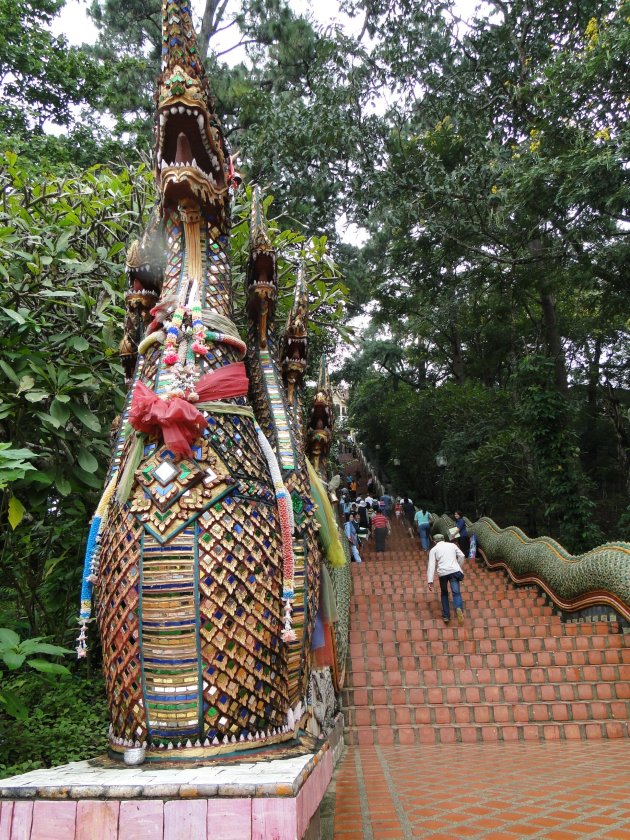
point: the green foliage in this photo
(544, 417)
(14, 464)
(67, 721)
(328, 293)
(42, 76)
(14, 654)
(62, 244)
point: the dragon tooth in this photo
(162, 119)
(188, 111)
(181, 109)
(200, 121)
(173, 110)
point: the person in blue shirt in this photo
(353, 540)
(386, 504)
(423, 523)
(463, 540)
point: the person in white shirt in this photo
(445, 557)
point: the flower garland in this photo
(172, 336)
(91, 564)
(287, 526)
(222, 338)
(174, 329)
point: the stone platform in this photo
(87, 800)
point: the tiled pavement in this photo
(529, 745)
(502, 791)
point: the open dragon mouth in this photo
(321, 413)
(295, 351)
(261, 281)
(189, 160)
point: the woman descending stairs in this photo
(513, 672)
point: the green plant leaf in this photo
(87, 461)
(36, 396)
(63, 485)
(46, 667)
(60, 412)
(26, 383)
(9, 372)
(13, 705)
(16, 512)
(15, 316)
(8, 638)
(12, 659)
(79, 343)
(86, 416)
(29, 646)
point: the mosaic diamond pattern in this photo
(240, 614)
(117, 616)
(235, 441)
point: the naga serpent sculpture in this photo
(276, 374)
(320, 429)
(203, 554)
(599, 577)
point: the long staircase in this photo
(513, 672)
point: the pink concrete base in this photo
(221, 818)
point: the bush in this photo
(67, 721)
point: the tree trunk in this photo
(620, 425)
(210, 22)
(457, 363)
(594, 373)
(553, 340)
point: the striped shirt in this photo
(379, 520)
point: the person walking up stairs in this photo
(514, 671)
(521, 717)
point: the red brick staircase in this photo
(513, 672)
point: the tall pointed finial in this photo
(295, 344)
(323, 380)
(320, 429)
(262, 275)
(192, 159)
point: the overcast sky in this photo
(75, 24)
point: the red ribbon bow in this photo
(177, 420)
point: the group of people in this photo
(367, 516)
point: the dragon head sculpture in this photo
(144, 278)
(191, 158)
(262, 275)
(320, 430)
(295, 342)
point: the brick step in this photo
(484, 630)
(519, 676)
(478, 733)
(499, 714)
(431, 611)
(485, 617)
(414, 694)
(496, 599)
(365, 661)
(407, 642)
